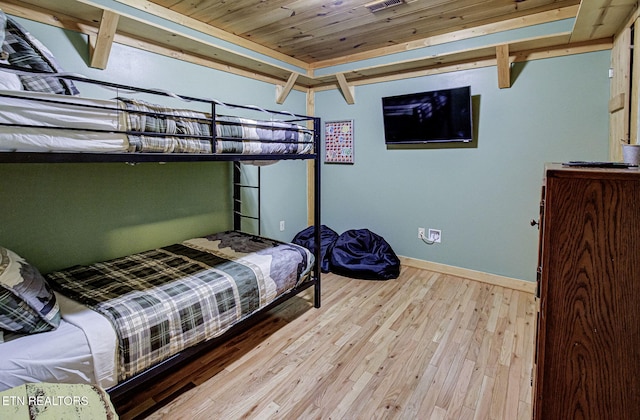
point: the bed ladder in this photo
(238, 187)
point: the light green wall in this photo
(57, 215)
(482, 198)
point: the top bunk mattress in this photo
(45, 122)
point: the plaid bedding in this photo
(262, 137)
(165, 300)
(238, 135)
(141, 117)
(169, 144)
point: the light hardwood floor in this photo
(423, 346)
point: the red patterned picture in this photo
(338, 141)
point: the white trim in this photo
(494, 279)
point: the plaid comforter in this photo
(236, 135)
(262, 137)
(165, 300)
(143, 117)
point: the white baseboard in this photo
(511, 283)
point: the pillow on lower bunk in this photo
(27, 303)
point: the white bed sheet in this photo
(100, 335)
(81, 350)
(66, 114)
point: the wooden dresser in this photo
(587, 362)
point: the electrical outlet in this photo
(421, 233)
(281, 225)
(435, 235)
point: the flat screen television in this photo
(435, 116)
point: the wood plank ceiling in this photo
(320, 30)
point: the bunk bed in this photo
(236, 275)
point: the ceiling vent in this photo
(377, 6)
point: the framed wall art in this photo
(338, 145)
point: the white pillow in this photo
(9, 81)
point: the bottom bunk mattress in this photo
(165, 300)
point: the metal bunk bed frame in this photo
(238, 210)
(119, 392)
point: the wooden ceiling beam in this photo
(347, 90)
(283, 91)
(556, 45)
(100, 45)
(504, 66)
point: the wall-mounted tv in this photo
(436, 116)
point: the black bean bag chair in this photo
(306, 238)
(362, 254)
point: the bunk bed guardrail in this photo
(192, 132)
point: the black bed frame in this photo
(119, 392)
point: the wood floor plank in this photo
(425, 345)
(485, 397)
